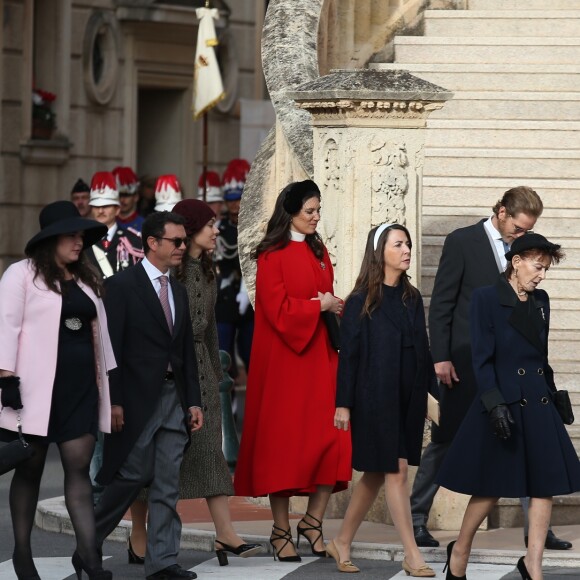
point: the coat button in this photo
(544, 400)
(205, 407)
(204, 393)
(521, 372)
(540, 371)
(523, 402)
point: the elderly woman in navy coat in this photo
(512, 442)
(384, 373)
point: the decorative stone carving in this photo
(389, 181)
(332, 192)
(368, 158)
(369, 109)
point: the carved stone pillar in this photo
(368, 156)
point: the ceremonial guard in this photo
(214, 195)
(128, 187)
(167, 192)
(121, 247)
(234, 313)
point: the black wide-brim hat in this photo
(531, 241)
(62, 217)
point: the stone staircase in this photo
(513, 66)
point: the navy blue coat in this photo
(509, 348)
(368, 384)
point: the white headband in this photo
(379, 231)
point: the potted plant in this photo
(43, 117)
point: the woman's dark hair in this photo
(44, 263)
(555, 255)
(278, 229)
(371, 275)
(206, 266)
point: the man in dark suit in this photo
(154, 394)
(118, 250)
(472, 257)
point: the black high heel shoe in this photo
(523, 570)
(92, 573)
(133, 558)
(301, 531)
(287, 536)
(243, 551)
(449, 575)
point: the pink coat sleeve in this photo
(12, 299)
(294, 319)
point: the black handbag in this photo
(564, 406)
(332, 322)
(15, 452)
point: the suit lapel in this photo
(523, 316)
(179, 305)
(144, 288)
(388, 313)
(485, 244)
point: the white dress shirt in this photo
(154, 274)
(498, 242)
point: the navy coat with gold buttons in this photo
(509, 351)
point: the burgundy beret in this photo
(196, 213)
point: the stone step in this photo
(486, 23)
(502, 134)
(504, 50)
(527, 5)
(493, 187)
(508, 512)
(494, 77)
(518, 164)
(511, 106)
(436, 224)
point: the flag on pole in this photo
(208, 88)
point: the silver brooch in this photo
(323, 265)
(73, 323)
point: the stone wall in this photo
(143, 49)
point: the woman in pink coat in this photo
(55, 353)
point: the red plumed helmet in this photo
(104, 189)
(213, 187)
(234, 179)
(167, 192)
(127, 180)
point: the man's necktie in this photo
(164, 299)
(506, 247)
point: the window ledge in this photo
(54, 151)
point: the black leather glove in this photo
(10, 392)
(500, 419)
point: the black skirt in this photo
(75, 396)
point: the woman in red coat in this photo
(289, 444)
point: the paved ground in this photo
(377, 551)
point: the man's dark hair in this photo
(154, 225)
(80, 186)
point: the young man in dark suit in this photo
(154, 394)
(472, 257)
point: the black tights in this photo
(75, 456)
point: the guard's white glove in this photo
(243, 299)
